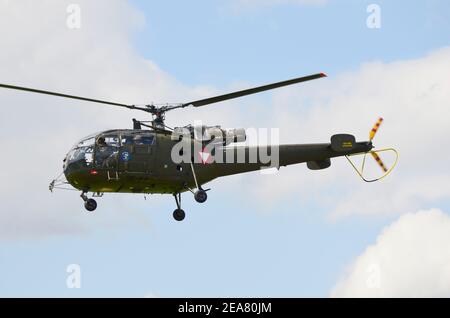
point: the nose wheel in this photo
(89, 204)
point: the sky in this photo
(297, 233)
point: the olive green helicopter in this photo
(154, 158)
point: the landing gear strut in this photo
(200, 196)
(178, 214)
(89, 204)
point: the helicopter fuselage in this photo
(139, 161)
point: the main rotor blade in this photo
(32, 90)
(221, 98)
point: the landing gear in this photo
(89, 204)
(201, 196)
(178, 214)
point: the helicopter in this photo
(141, 159)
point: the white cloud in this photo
(98, 61)
(411, 258)
(412, 96)
(38, 50)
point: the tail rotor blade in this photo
(375, 155)
(375, 128)
(379, 161)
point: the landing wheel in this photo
(90, 205)
(200, 196)
(179, 215)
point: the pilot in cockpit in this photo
(101, 142)
(105, 153)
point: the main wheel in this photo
(179, 215)
(200, 196)
(90, 205)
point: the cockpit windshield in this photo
(102, 150)
(82, 153)
(88, 141)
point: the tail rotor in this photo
(375, 155)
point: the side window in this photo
(107, 150)
(138, 139)
(143, 139)
(148, 140)
(127, 140)
(112, 141)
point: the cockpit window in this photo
(102, 150)
(111, 141)
(82, 153)
(138, 139)
(86, 142)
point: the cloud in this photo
(99, 61)
(35, 131)
(410, 258)
(412, 96)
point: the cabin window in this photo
(107, 150)
(138, 139)
(108, 141)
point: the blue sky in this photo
(228, 247)
(211, 42)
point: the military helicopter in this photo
(141, 159)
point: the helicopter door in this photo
(137, 152)
(106, 151)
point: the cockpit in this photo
(105, 150)
(82, 154)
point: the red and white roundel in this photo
(205, 156)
